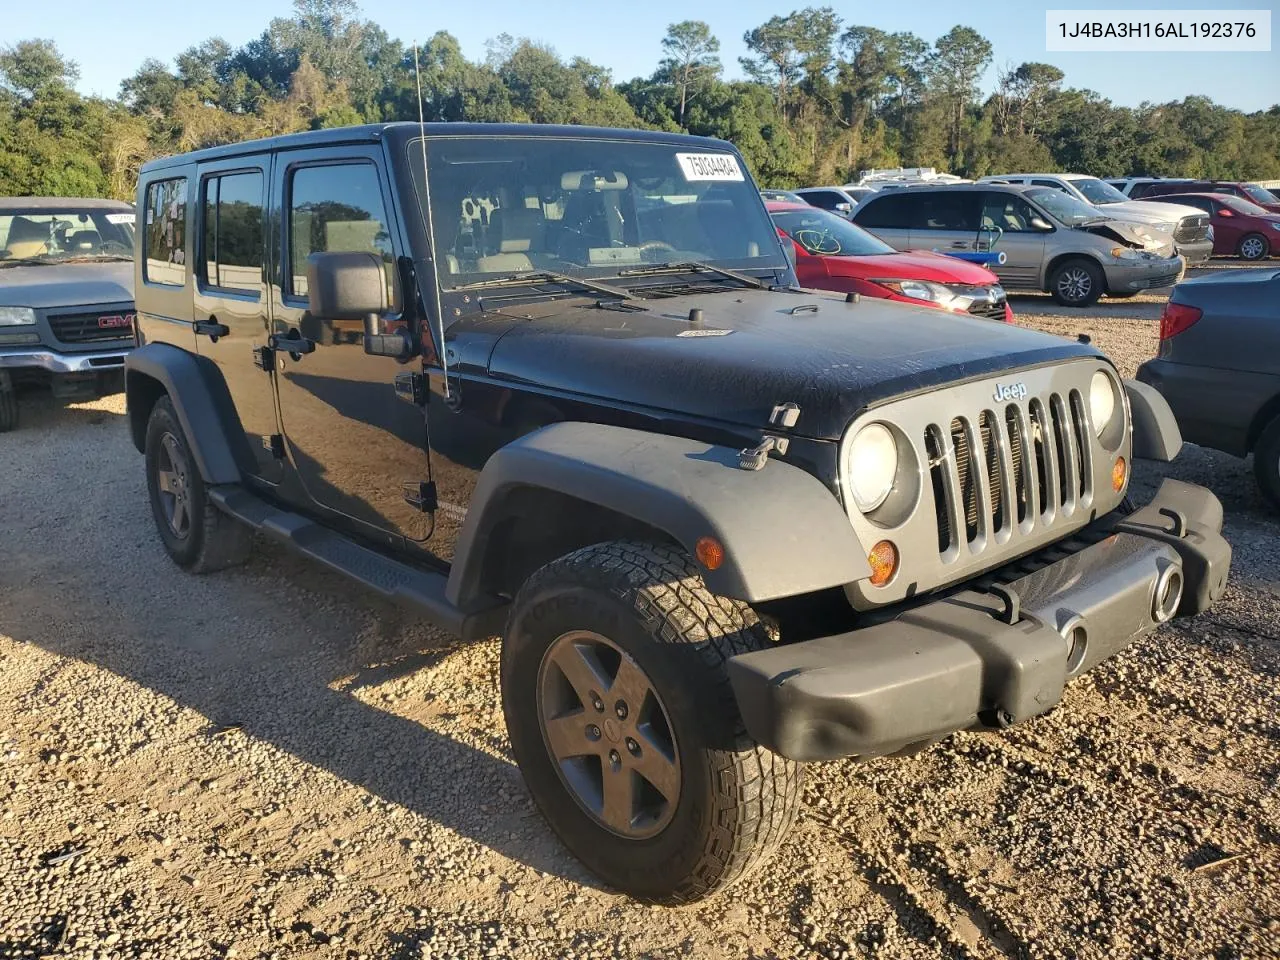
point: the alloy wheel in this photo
(1252, 248)
(172, 475)
(1075, 283)
(608, 734)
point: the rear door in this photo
(360, 452)
(230, 305)
(888, 215)
(1020, 242)
(946, 221)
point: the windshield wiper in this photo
(698, 266)
(537, 276)
(27, 262)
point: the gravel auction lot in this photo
(270, 762)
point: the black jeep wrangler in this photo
(558, 384)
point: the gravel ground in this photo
(270, 762)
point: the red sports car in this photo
(834, 254)
(1240, 227)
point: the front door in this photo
(230, 304)
(1010, 218)
(360, 452)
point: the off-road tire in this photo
(737, 800)
(8, 410)
(1253, 246)
(213, 540)
(1266, 463)
(1095, 281)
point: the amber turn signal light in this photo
(883, 559)
(1119, 473)
(709, 552)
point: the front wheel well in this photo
(1062, 258)
(538, 525)
(1270, 410)
(141, 393)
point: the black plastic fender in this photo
(783, 532)
(1155, 429)
(199, 398)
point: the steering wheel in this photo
(652, 246)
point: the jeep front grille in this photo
(987, 478)
(989, 470)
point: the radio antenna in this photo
(431, 231)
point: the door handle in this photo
(211, 329)
(294, 346)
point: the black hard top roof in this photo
(403, 131)
(34, 204)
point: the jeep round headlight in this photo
(872, 466)
(1102, 401)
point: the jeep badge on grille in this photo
(1009, 391)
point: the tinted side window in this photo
(825, 199)
(232, 232)
(947, 211)
(164, 250)
(1006, 212)
(337, 208)
(1050, 183)
(889, 211)
(1198, 202)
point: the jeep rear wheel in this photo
(195, 534)
(1076, 283)
(623, 722)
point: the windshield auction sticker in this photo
(1193, 31)
(709, 166)
(121, 218)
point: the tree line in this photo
(821, 100)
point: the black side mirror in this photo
(353, 286)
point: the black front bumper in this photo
(988, 658)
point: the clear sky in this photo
(110, 41)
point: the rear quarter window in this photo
(889, 211)
(165, 233)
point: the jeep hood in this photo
(46, 286)
(752, 350)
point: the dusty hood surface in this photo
(43, 286)
(750, 353)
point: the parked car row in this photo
(1200, 218)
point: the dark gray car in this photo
(1219, 366)
(66, 295)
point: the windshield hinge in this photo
(409, 387)
(754, 458)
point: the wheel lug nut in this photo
(615, 759)
(593, 732)
(597, 703)
(633, 747)
(620, 708)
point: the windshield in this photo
(1260, 193)
(597, 208)
(1066, 208)
(72, 234)
(823, 234)
(1240, 205)
(1098, 191)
